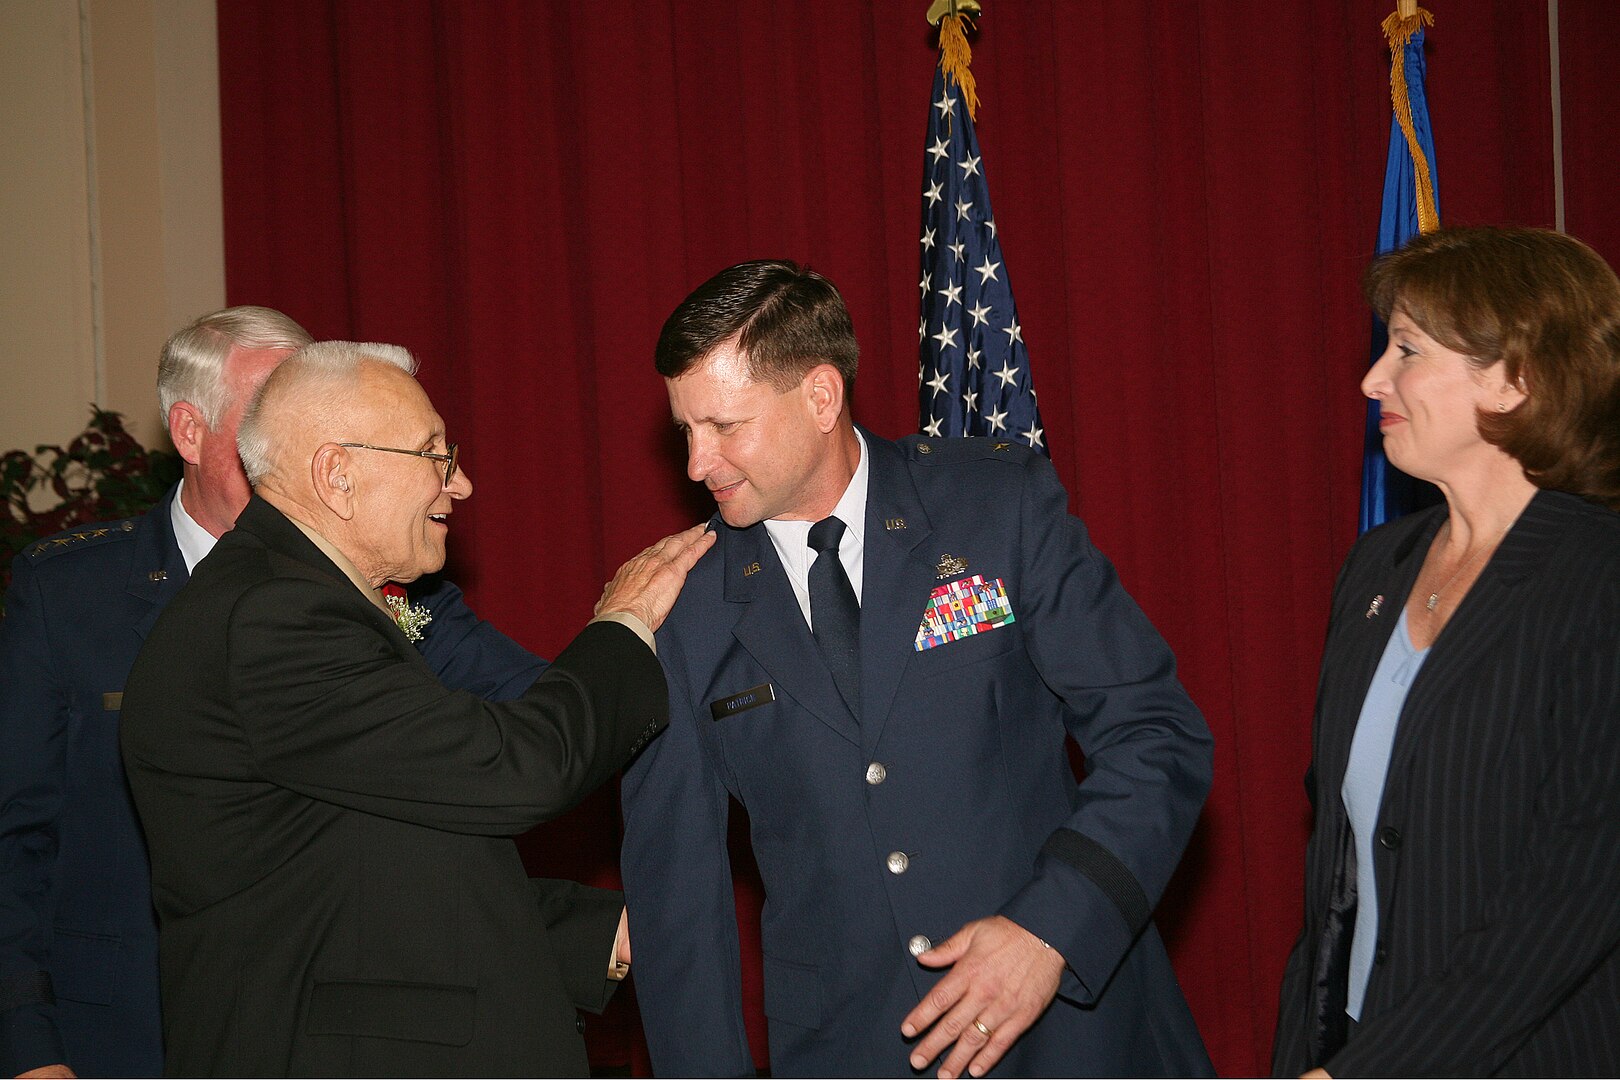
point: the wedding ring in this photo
(986, 1032)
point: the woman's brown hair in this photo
(1546, 306)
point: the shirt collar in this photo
(350, 571)
(195, 541)
(850, 509)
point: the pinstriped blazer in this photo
(1497, 850)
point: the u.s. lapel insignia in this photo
(950, 566)
(892, 524)
(158, 575)
(751, 569)
(1376, 606)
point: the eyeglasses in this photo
(448, 459)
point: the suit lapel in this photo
(158, 570)
(896, 581)
(1480, 620)
(772, 628)
(1387, 585)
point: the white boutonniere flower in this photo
(410, 618)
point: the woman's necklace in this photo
(1434, 597)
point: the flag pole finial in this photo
(941, 8)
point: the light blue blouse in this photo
(1363, 791)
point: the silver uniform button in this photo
(876, 773)
(898, 862)
(918, 945)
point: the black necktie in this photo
(835, 615)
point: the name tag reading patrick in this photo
(752, 698)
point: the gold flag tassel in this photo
(955, 56)
(1402, 23)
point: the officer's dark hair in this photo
(785, 318)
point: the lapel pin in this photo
(158, 575)
(950, 566)
(892, 524)
(1376, 606)
(751, 569)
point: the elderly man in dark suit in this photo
(78, 939)
(328, 823)
(882, 663)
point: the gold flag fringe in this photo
(1399, 31)
(954, 58)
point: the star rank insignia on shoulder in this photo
(951, 451)
(75, 539)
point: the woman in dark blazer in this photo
(1462, 882)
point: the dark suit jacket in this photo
(1498, 840)
(975, 788)
(328, 823)
(78, 939)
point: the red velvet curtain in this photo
(1186, 192)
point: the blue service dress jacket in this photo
(78, 938)
(946, 797)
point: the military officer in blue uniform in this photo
(78, 939)
(882, 661)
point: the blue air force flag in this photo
(1411, 206)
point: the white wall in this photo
(111, 233)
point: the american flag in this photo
(974, 373)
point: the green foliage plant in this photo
(102, 475)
